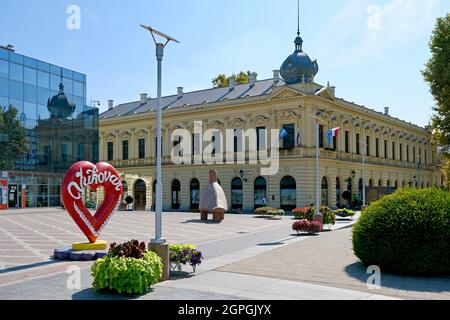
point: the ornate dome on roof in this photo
(59, 106)
(298, 67)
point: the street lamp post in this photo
(363, 149)
(158, 199)
(158, 244)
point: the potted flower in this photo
(329, 217)
(310, 227)
(128, 268)
(263, 211)
(182, 254)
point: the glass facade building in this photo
(60, 128)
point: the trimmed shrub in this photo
(407, 232)
(329, 217)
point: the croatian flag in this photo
(299, 138)
(283, 133)
(333, 133)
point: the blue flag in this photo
(283, 133)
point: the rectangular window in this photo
(347, 143)
(30, 76)
(377, 147)
(335, 143)
(367, 146)
(385, 149)
(43, 79)
(407, 153)
(426, 160)
(80, 151)
(16, 72)
(289, 139)
(260, 138)
(125, 149)
(358, 143)
(156, 146)
(414, 154)
(4, 69)
(110, 151)
(320, 136)
(420, 156)
(141, 148)
(393, 150)
(401, 152)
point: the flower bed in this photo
(127, 269)
(344, 213)
(304, 213)
(183, 254)
(311, 227)
(276, 213)
(263, 211)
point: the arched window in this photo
(260, 192)
(388, 183)
(288, 193)
(139, 195)
(176, 189)
(324, 194)
(237, 194)
(380, 183)
(396, 184)
(370, 183)
(338, 193)
(194, 193)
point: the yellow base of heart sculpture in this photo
(82, 246)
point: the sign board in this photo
(84, 175)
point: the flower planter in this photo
(184, 254)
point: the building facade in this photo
(396, 153)
(60, 128)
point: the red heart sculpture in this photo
(83, 175)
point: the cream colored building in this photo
(397, 153)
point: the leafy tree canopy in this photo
(12, 138)
(437, 75)
(242, 77)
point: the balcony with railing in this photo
(294, 153)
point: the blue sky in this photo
(372, 51)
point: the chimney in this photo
(276, 76)
(252, 80)
(231, 84)
(143, 98)
(386, 111)
(180, 92)
(110, 104)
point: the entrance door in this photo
(14, 196)
(139, 195)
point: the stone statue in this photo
(212, 199)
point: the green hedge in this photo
(407, 232)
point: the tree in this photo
(12, 138)
(241, 78)
(437, 74)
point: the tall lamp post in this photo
(319, 215)
(162, 249)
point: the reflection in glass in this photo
(30, 76)
(16, 72)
